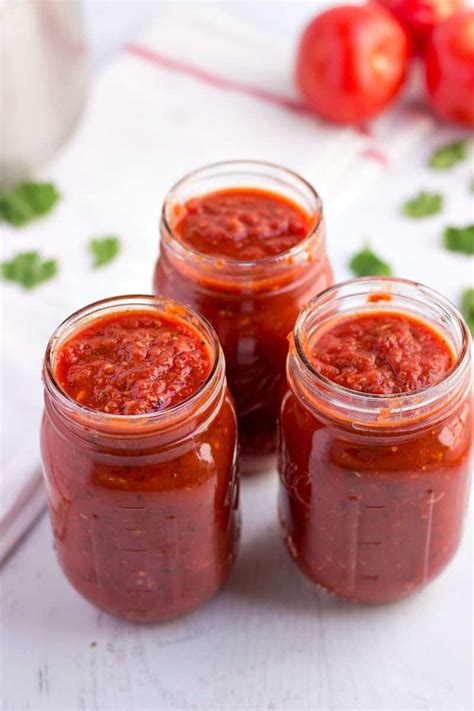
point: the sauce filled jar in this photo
(376, 438)
(243, 242)
(139, 448)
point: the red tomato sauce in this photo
(241, 223)
(383, 354)
(374, 512)
(130, 364)
(252, 314)
(144, 512)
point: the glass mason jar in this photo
(252, 304)
(144, 508)
(373, 488)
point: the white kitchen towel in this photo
(196, 88)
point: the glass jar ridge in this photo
(379, 412)
(163, 424)
(235, 274)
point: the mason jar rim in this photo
(136, 302)
(370, 404)
(241, 264)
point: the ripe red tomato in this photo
(419, 17)
(449, 68)
(351, 62)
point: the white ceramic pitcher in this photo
(42, 81)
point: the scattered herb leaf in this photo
(28, 269)
(367, 263)
(459, 239)
(423, 205)
(448, 155)
(27, 202)
(104, 249)
(467, 308)
(471, 185)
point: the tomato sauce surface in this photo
(381, 354)
(241, 223)
(130, 364)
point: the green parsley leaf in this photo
(104, 249)
(27, 202)
(367, 263)
(28, 269)
(467, 307)
(423, 205)
(459, 239)
(448, 155)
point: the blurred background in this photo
(109, 24)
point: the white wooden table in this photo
(269, 640)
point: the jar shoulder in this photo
(208, 454)
(305, 438)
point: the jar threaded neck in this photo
(360, 410)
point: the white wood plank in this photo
(268, 641)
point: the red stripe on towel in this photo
(374, 154)
(177, 65)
